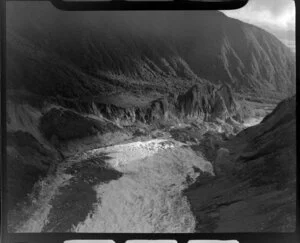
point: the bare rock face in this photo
(222, 164)
(207, 101)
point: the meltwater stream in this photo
(147, 197)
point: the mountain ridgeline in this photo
(76, 54)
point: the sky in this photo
(275, 16)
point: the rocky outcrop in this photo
(222, 163)
(156, 110)
(207, 101)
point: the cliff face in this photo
(209, 101)
(205, 102)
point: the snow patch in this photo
(252, 122)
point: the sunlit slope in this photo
(141, 190)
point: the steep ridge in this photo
(277, 130)
(203, 103)
(256, 178)
(211, 101)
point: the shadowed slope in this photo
(142, 51)
(256, 178)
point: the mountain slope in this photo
(142, 52)
(256, 178)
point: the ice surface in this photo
(147, 198)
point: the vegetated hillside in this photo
(79, 54)
(254, 188)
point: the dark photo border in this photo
(148, 5)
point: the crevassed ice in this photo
(148, 197)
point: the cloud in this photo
(279, 14)
(275, 7)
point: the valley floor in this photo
(132, 187)
(162, 183)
